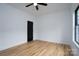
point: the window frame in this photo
(76, 23)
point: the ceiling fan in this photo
(36, 5)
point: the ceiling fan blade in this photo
(29, 5)
(44, 4)
(37, 7)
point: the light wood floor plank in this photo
(38, 48)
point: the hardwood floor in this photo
(38, 48)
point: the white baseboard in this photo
(13, 45)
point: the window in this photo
(77, 25)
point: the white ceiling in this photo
(52, 7)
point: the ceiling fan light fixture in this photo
(35, 4)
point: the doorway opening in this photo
(29, 31)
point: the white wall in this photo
(35, 27)
(56, 27)
(13, 26)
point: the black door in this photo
(29, 31)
